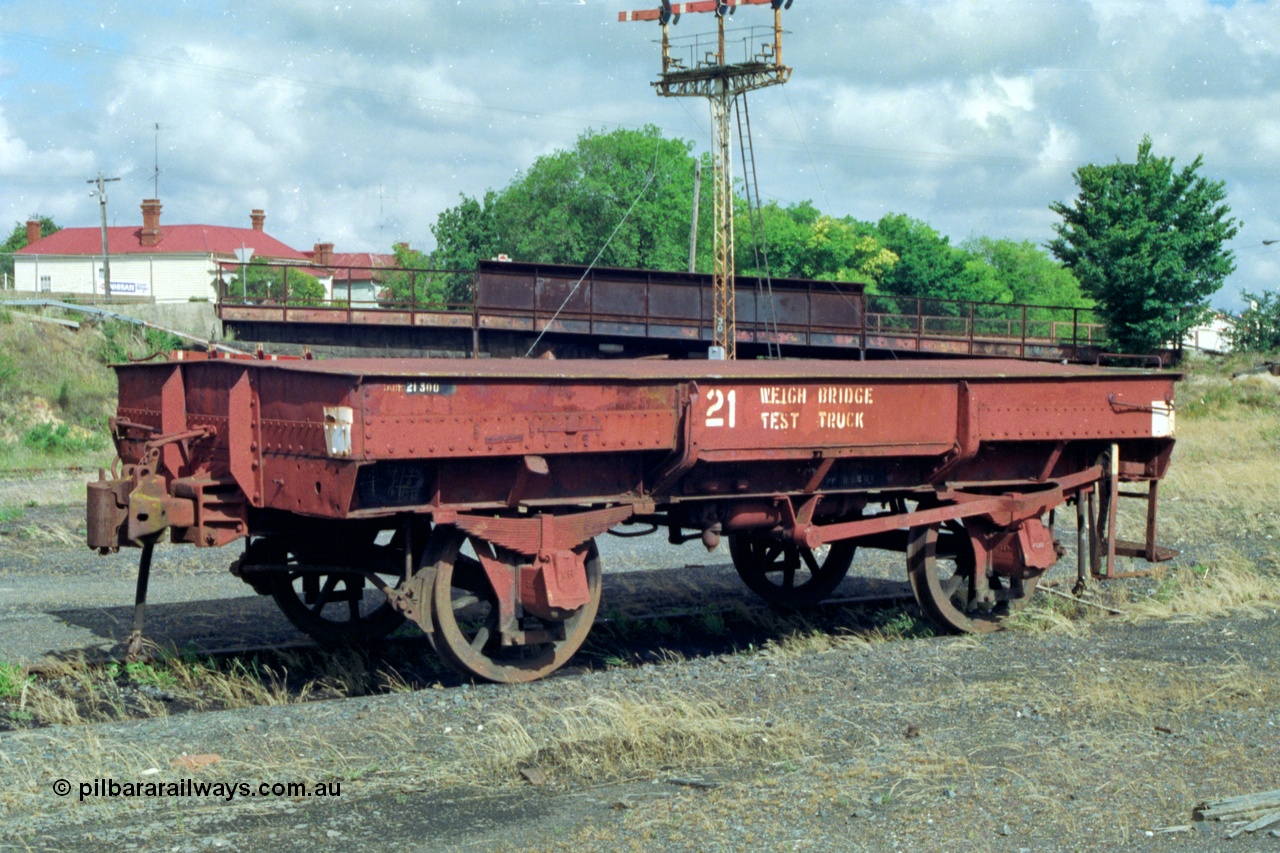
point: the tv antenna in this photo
(382, 194)
(155, 174)
(704, 71)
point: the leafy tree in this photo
(18, 240)
(417, 282)
(1258, 328)
(1027, 274)
(265, 282)
(465, 234)
(801, 242)
(929, 267)
(1147, 242)
(565, 208)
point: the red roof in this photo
(363, 259)
(364, 264)
(174, 239)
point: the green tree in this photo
(566, 207)
(417, 282)
(265, 282)
(929, 267)
(1148, 243)
(800, 242)
(465, 234)
(1258, 328)
(1027, 274)
(18, 240)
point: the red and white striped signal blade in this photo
(686, 8)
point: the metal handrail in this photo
(933, 320)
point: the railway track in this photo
(752, 611)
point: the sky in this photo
(358, 123)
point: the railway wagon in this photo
(466, 495)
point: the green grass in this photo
(63, 440)
(144, 673)
(12, 679)
(1209, 391)
(8, 369)
(124, 341)
(901, 623)
(1227, 398)
(712, 623)
(56, 392)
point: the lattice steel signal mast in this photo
(708, 74)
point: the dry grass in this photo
(1222, 482)
(625, 735)
(598, 740)
(1220, 497)
(1049, 612)
(1139, 690)
(43, 534)
(71, 693)
(1230, 583)
(75, 692)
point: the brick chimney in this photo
(33, 231)
(257, 217)
(150, 221)
(322, 255)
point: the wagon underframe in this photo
(466, 496)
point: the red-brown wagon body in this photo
(496, 476)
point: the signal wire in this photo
(653, 173)
(759, 242)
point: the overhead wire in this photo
(804, 142)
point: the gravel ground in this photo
(1096, 736)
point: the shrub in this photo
(1258, 329)
(161, 341)
(62, 438)
(115, 342)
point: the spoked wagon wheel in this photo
(941, 566)
(786, 575)
(464, 611)
(335, 608)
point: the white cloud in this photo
(15, 154)
(359, 123)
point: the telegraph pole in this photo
(101, 192)
(708, 74)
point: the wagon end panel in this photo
(1049, 426)
(311, 441)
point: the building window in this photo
(46, 283)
